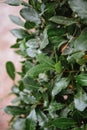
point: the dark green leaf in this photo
(30, 14)
(62, 20)
(64, 123)
(10, 69)
(13, 2)
(29, 25)
(82, 79)
(15, 110)
(17, 20)
(19, 33)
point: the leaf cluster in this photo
(52, 91)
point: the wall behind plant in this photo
(6, 54)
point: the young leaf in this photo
(58, 67)
(62, 20)
(13, 2)
(36, 70)
(19, 33)
(82, 79)
(64, 123)
(17, 20)
(31, 15)
(80, 7)
(10, 69)
(59, 85)
(80, 101)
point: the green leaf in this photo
(60, 85)
(64, 123)
(15, 110)
(17, 20)
(62, 20)
(36, 70)
(30, 125)
(80, 7)
(44, 39)
(33, 43)
(27, 98)
(42, 118)
(80, 44)
(19, 124)
(13, 2)
(19, 33)
(30, 14)
(10, 69)
(30, 83)
(29, 25)
(32, 116)
(58, 67)
(80, 101)
(82, 79)
(43, 59)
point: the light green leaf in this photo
(31, 52)
(82, 79)
(58, 67)
(80, 101)
(10, 69)
(64, 123)
(19, 33)
(27, 98)
(43, 59)
(36, 70)
(80, 44)
(44, 39)
(32, 116)
(19, 124)
(17, 20)
(33, 43)
(62, 20)
(31, 15)
(80, 7)
(13, 2)
(59, 85)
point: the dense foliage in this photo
(52, 91)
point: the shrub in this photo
(52, 91)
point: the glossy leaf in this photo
(80, 7)
(64, 123)
(62, 20)
(60, 85)
(13, 2)
(10, 69)
(17, 20)
(19, 124)
(30, 14)
(82, 79)
(43, 59)
(14, 110)
(19, 33)
(36, 70)
(80, 101)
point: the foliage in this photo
(52, 38)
